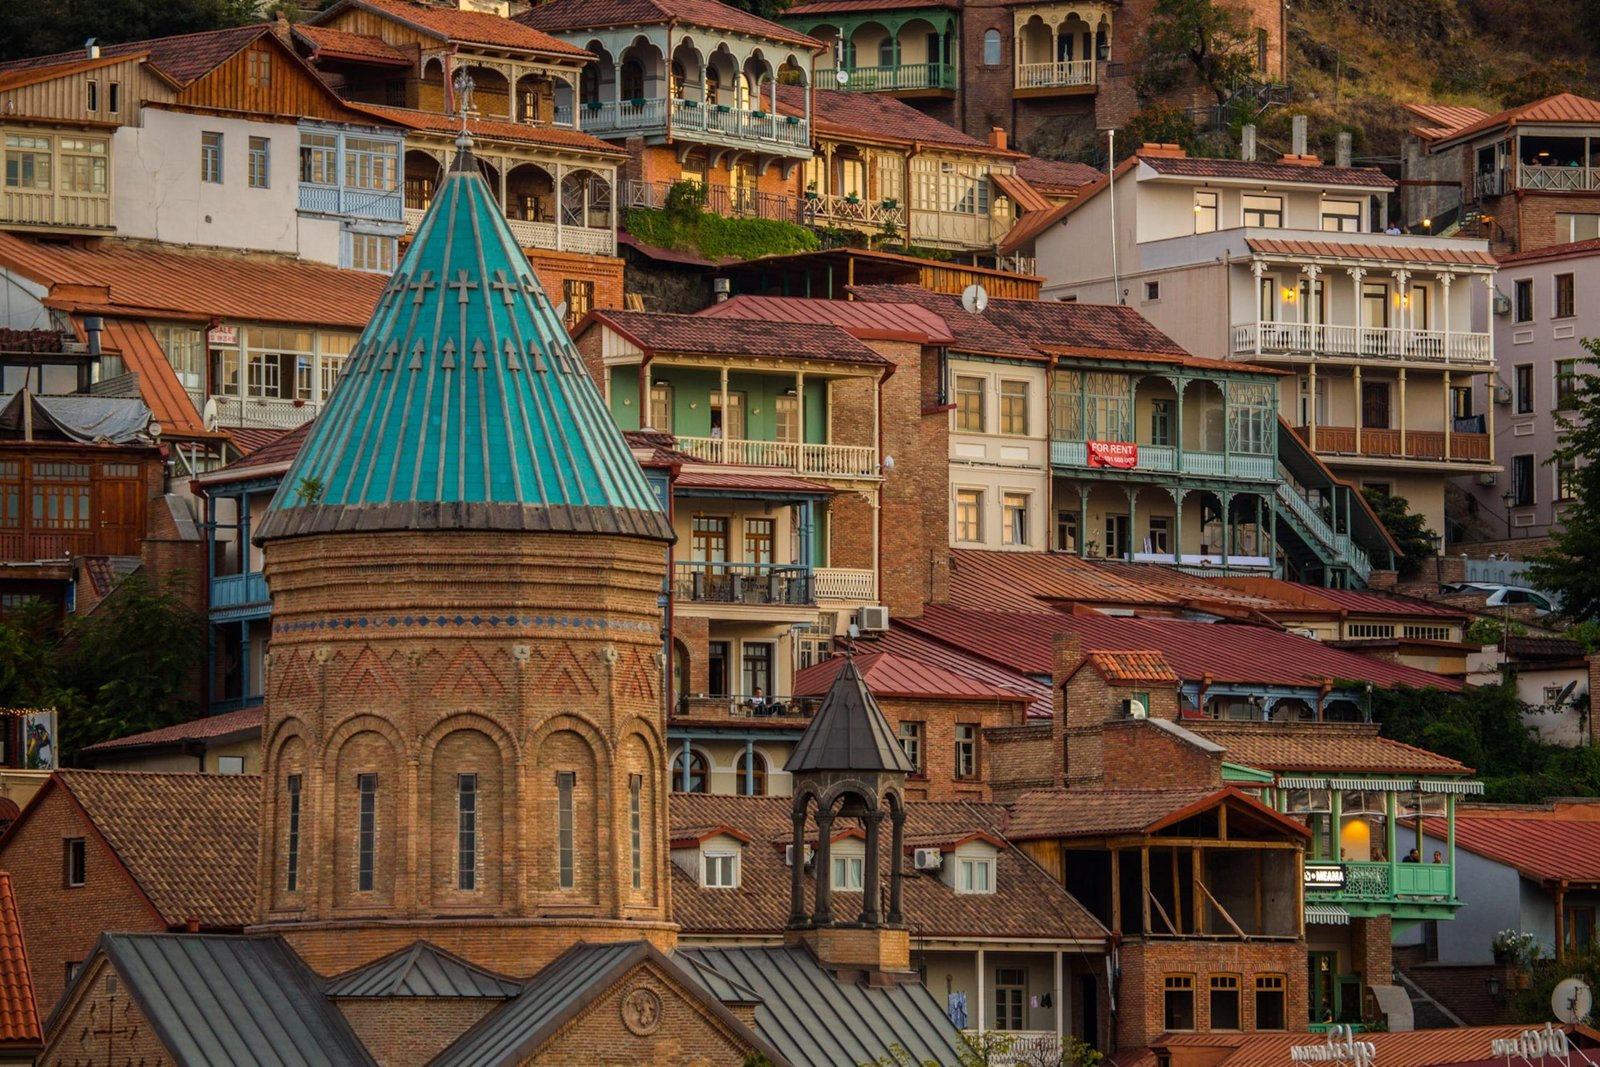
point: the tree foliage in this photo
(1158, 123)
(128, 667)
(1409, 530)
(1210, 42)
(42, 27)
(1570, 567)
(1548, 78)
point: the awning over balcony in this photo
(1326, 915)
(1429, 252)
(690, 478)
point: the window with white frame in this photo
(372, 252)
(371, 164)
(786, 413)
(849, 871)
(661, 407)
(969, 404)
(911, 744)
(1014, 528)
(319, 158)
(1262, 211)
(966, 756)
(28, 162)
(1206, 217)
(185, 349)
(83, 165)
(1341, 216)
(1014, 408)
(975, 874)
(969, 515)
(721, 870)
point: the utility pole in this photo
(1111, 186)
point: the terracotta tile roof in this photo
(470, 27)
(1029, 904)
(1031, 226)
(1322, 747)
(184, 58)
(1056, 174)
(146, 283)
(973, 333)
(662, 448)
(30, 340)
(250, 439)
(18, 74)
(189, 840)
(1456, 1047)
(1034, 581)
(1236, 653)
(1098, 812)
(1547, 849)
(19, 1018)
(488, 129)
(338, 44)
(244, 721)
(842, 7)
(1397, 253)
(859, 318)
(1561, 108)
(1021, 191)
(1573, 248)
(889, 674)
(1543, 647)
(691, 478)
(1245, 170)
(1440, 119)
(836, 113)
(1108, 327)
(662, 332)
(1134, 668)
(912, 645)
(579, 15)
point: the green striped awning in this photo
(1399, 785)
(1461, 786)
(1327, 915)
(1302, 783)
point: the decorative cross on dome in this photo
(464, 86)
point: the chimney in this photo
(1341, 156)
(1066, 653)
(1299, 137)
(1161, 151)
(90, 49)
(1247, 143)
(720, 288)
(997, 138)
(280, 27)
(191, 925)
(92, 326)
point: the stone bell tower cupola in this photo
(464, 735)
(850, 771)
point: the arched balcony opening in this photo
(423, 174)
(724, 82)
(530, 194)
(491, 93)
(688, 81)
(586, 200)
(539, 98)
(760, 83)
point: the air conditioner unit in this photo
(873, 618)
(1487, 478)
(927, 859)
(1502, 394)
(1135, 709)
(788, 855)
(1304, 631)
(1502, 304)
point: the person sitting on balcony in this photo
(1438, 857)
(1393, 230)
(760, 703)
(1414, 856)
(1377, 854)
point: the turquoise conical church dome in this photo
(464, 405)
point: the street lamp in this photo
(1509, 496)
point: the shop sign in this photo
(223, 335)
(1533, 1044)
(1343, 1046)
(1324, 876)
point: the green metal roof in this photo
(464, 405)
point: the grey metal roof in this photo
(422, 970)
(813, 1019)
(236, 1001)
(849, 732)
(718, 984)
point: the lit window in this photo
(911, 744)
(969, 515)
(848, 872)
(76, 856)
(467, 831)
(1566, 381)
(579, 297)
(1205, 211)
(1225, 1002)
(1269, 1002)
(260, 162)
(292, 852)
(966, 750)
(721, 870)
(1015, 528)
(1263, 211)
(366, 831)
(974, 876)
(1178, 1001)
(1014, 408)
(969, 404)
(1341, 216)
(211, 157)
(565, 780)
(636, 829)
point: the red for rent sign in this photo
(1113, 454)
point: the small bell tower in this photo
(848, 769)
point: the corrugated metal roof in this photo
(1445, 255)
(926, 650)
(19, 1018)
(271, 459)
(859, 318)
(1021, 192)
(1459, 1047)
(703, 334)
(464, 405)
(696, 478)
(158, 382)
(1543, 849)
(849, 732)
(888, 674)
(422, 970)
(816, 1021)
(1561, 108)
(1031, 581)
(1096, 812)
(241, 1001)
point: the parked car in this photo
(1497, 595)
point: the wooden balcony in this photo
(1066, 74)
(1428, 445)
(1311, 340)
(900, 77)
(48, 209)
(827, 461)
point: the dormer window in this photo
(849, 864)
(974, 875)
(720, 870)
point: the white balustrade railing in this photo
(1367, 342)
(831, 583)
(343, 200)
(47, 208)
(737, 123)
(590, 240)
(835, 461)
(261, 412)
(597, 116)
(1569, 179)
(1052, 75)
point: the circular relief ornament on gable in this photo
(641, 1011)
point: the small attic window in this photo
(974, 874)
(719, 870)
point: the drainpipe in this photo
(672, 24)
(644, 391)
(877, 519)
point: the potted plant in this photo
(637, 101)
(593, 105)
(758, 114)
(691, 103)
(724, 108)
(811, 191)
(793, 120)
(852, 198)
(890, 204)
(1513, 948)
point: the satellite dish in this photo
(842, 76)
(1565, 693)
(211, 415)
(974, 298)
(154, 430)
(561, 311)
(1571, 1000)
(888, 465)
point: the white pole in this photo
(1111, 184)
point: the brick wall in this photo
(1135, 754)
(916, 560)
(939, 719)
(399, 1031)
(555, 269)
(61, 925)
(1372, 949)
(1145, 965)
(1085, 703)
(1463, 989)
(1019, 759)
(1536, 217)
(103, 1026)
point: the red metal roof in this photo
(273, 458)
(1289, 595)
(836, 114)
(912, 645)
(363, 48)
(472, 27)
(251, 439)
(489, 129)
(701, 334)
(1546, 849)
(19, 1018)
(1223, 652)
(1021, 192)
(579, 15)
(1033, 581)
(1574, 248)
(693, 477)
(888, 674)
(1561, 108)
(1399, 253)
(159, 387)
(1246, 170)
(1441, 119)
(1466, 1046)
(841, 7)
(210, 726)
(114, 279)
(858, 318)
(972, 333)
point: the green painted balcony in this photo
(898, 77)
